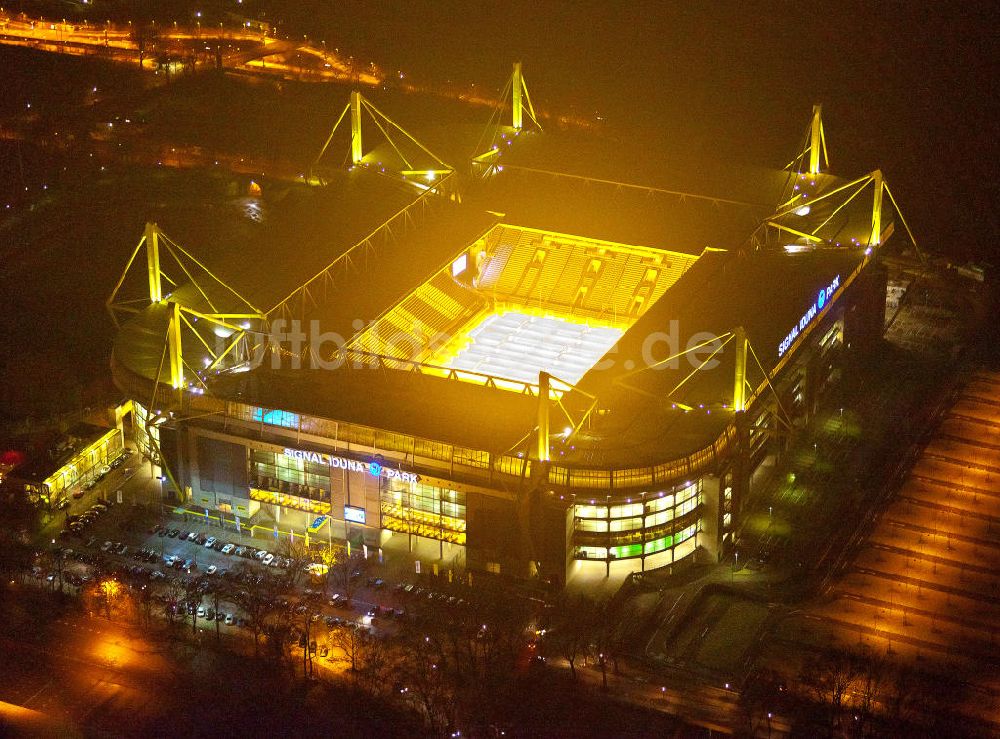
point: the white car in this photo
(211, 570)
(192, 536)
(169, 560)
(229, 619)
(261, 554)
(201, 611)
(268, 559)
(228, 549)
(209, 542)
(105, 546)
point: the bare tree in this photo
(571, 629)
(346, 572)
(298, 558)
(257, 597)
(830, 678)
(350, 639)
(192, 601)
(378, 661)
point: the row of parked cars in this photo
(77, 524)
(210, 542)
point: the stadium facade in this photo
(501, 366)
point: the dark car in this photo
(173, 533)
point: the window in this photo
(622, 511)
(626, 524)
(623, 552)
(276, 418)
(660, 518)
(590, 511)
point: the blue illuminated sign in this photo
(814, 310)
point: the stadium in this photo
(508, 364)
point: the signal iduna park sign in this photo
(376, 469)
(811, 312)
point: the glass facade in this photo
(423, 510)
(277, 473)
(84, 463)
(147, 446)
(639, 526)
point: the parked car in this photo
(211, 570)
(228, 548)
(229, 619)
(209, 542)
(268, 558)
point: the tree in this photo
(346, 572)
(607, 642)
(377, 665)
(425, 684)
(217, 590)
(829, 678)
(569, 635)
(173, 602)
(192, 601)
(298, 557)
(257, 596)
(473, 648)
(759, 696)
(350, 639)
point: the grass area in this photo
(723, 648)
(718, 635)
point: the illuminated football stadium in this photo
(501, 366)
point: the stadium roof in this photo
(612, 212)
(264, 248)
(765, 292)
(426, 406)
